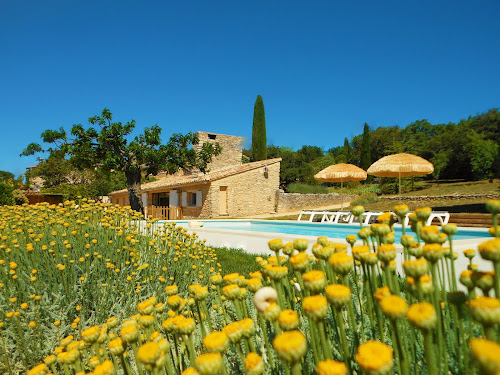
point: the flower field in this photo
(91, 288)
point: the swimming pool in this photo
(315, 229)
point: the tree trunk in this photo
(134, 190)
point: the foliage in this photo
(236, 260)
(389, 185)
(365, 158)
(307, 189)
(6, 194)
(364, 199)
(259, 138)
(106, 145)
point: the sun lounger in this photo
(442, 216)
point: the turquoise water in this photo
(314, 229)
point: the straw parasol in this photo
(400, 165)
(339, 173)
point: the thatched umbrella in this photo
(340, 173)
(400, 165)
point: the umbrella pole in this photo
(341, 196)
(399, 182)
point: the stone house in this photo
(229, 189)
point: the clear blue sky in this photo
(323, 68)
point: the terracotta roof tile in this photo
(170, 181)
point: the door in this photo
(223, 200)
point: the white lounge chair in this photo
(442, 216)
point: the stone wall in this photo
(289, 202)
(231, 149)
(434, 197)
(249, 193)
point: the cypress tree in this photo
(347, 151)
(366, 159)
(259, 141)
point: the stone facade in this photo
(231, 149)
(290, 202)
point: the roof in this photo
(172, 181)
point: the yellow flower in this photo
(299, 262)
(231, 291)
(466, 279)
(486, 310)
(275, 272)
(209, 363)
(375, 358)
(231, 278)
(288, 320)
(490, 250)
(358, 210)
(381, 293)
(129, 333)
(149, 352)
(290, 346)
(247, 327)
(40, 369)
(315, 307)
(254, 364)
(216, 342)
(300, 244)
(338, 295)
(394, 307)
(91, 334)
(432, 252)
(105, 368)
(422, 315)
(386, 252)
(116, 346)
(314, 281)
(341, 263)
(190, 371)
(487, 354)
(331, 367)
(357, 251)
(401, 210)
(254, 284)
(233, 331)
(416, 267)
(275, 245)
(351, 239)
(170, 290)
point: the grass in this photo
(237, 260)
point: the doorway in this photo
(223, 200)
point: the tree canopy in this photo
(109, 146)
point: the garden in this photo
(90, 288)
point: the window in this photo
(212, 136)
(192, 199)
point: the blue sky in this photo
(323, 68)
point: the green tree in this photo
(7, 194)
(347, 151)
(366, 158)
(482, 153)
(105, 144)
(259, 140)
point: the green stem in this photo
(429, 353)
(343, 338)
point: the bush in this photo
(6, 194)
(365, 199)
(306, 189)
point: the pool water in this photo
(316, 229)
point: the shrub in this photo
(306, 189)
(365, 199)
